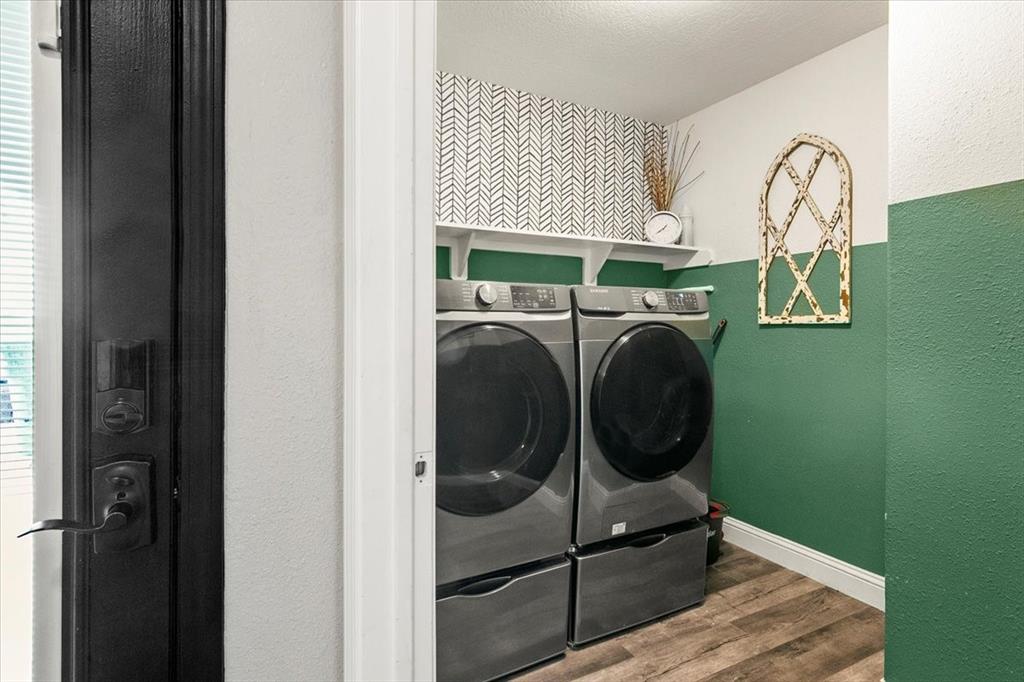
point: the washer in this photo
(505, 468)
(645, 362)
(645, 430)
(505, 414)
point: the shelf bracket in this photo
(594, 260)
(459, 255)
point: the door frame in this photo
(198, 342)
(47, 457)
(388, 339)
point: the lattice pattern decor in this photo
(510, 159)
(833, 233)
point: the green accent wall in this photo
(800, 410)
(504, 266)
(955, 463)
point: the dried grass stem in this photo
(664, 169)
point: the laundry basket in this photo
(717, 511)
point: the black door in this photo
(503, 418)
(650, 404)
(143, 282)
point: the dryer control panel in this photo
(637, 300)
(501, 296)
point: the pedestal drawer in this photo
(501, 624)
(622, 585)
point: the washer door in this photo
(503, 418)
(650, 404)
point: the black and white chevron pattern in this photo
(510, 159)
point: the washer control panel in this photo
(634, 300)
(500, 296)
(532, 297)
(683, 301)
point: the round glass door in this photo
(503, 418)
(650, 405)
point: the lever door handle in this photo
(121, 501)
(116, 518)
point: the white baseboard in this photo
(855, 582)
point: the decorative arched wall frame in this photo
(773, 236)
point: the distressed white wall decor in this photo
(510, 159)
(835, 231)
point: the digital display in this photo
(682, 301)
(533, 298)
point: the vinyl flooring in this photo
(759, 622)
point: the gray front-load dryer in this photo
(645, 410)
(505, 416)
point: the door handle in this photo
(116, 518)
(122, 508)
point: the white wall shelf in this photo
(595, 251)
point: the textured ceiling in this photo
(659, 61)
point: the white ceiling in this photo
(657, 60)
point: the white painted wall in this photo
(841, 95)
(972, 135)
(282, 506)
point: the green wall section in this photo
(503, 266)
(800, 411)
(955, 462)
(800, 425)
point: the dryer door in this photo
(650, 404)
(503, 418)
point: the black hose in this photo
(716, 335)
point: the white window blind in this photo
(16, 249)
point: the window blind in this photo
(16, 248)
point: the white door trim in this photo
(47, 446)
(388, 340)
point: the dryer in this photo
(504, 481)
(505, 410)
(645, 441)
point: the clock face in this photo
(663, 228)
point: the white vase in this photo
(686, 219)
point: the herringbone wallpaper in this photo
(509, 159)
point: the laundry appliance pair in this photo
(573, 457)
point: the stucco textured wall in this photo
(955, 377)
(840, 95)
(957, 78)
(800, 421)
(282, 489)
(955, 460)
(800, 414)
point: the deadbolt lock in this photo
(123, 373)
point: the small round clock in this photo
(664, 227)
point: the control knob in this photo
(650, 299)
(487, 294)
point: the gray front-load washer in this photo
(645, 411)
(505, 415)
(505, 463)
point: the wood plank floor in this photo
(759, 622)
